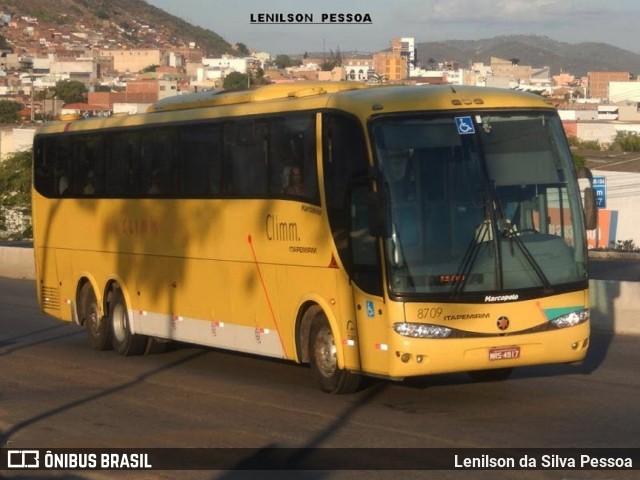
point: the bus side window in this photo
(280, 158)
(346, 169)
(305, 145)
(122, 175)
(248, 159)
(62, 170)
(43, 166)
(200, 148)
(292, 167)
(363, 244)
(160, 166)
(99, 151)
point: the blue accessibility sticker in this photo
(465, 125)
(370, 309)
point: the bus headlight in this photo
(421, 330)
(571, 319)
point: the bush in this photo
(579, 161)
(15, 195)
(626, 246)
(627, 141)
(584, 144)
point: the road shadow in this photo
(309, 461)
(5, 436)
(14, 344)
(602, 297)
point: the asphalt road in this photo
(55, 391)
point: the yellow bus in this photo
(392, 231)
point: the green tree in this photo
(283, 61)
(242, 49)
(71, 91)
(15, 180)
(9, 111)
(259, 78)
(579, 161)
(236, 81)
(43, 94)
(15, 187)
(334, 60)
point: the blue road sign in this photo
(600, 186)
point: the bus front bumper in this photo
(416, 357)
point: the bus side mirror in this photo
(378, 217)
(590, 200)
(590, 209)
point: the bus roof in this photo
(268, 92)
(386, 99)
(357, 98)
(398, 97)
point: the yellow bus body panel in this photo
(237, 273)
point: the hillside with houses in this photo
(127, 55)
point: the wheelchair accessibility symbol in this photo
(465, 125)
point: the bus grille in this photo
(50, 298)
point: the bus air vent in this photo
(50, 298)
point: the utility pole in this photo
(33, 87)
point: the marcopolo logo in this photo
(23, 459)
(501, 298)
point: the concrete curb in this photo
(615, 305)
(614, 254)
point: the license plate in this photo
(504, 353)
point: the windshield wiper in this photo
(482, 236)
(510, 232)
(485, 234)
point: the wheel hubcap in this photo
(325, 353)
(119, 323)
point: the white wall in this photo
(624, 92)
(604, 132)
(13, 140)
(623, 196)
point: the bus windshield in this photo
(479, 203)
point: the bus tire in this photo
(324, 362)
(124, 342)
(491, 375)
(157, 345)
(97, 326)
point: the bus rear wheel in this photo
(124, 342)
(97, 326)
(324, 361)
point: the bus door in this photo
(366, 279)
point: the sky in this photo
(573, 21)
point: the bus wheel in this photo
(124, 342)
(492, 375)
(97, 326)
(324, 363)
(157, 345)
